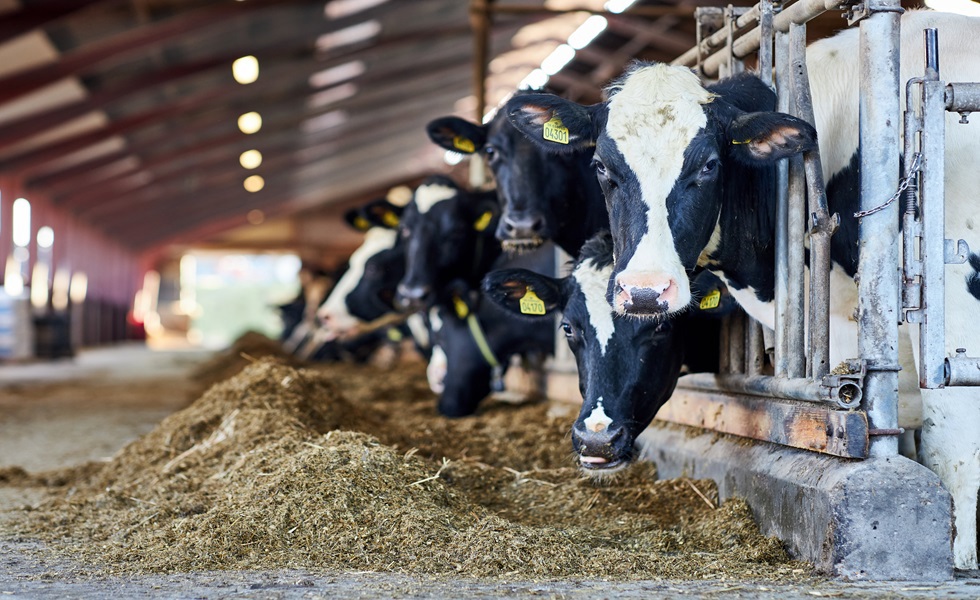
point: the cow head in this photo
(627, 367)
(532, 185)
(446, 231)
(366, 291)
(663, 143)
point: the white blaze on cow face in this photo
(333, 314)
(597, 421)
(427, 196)
(593, 284)
(653, 117)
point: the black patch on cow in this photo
(973, 279)
(747, 248)
(844, 198)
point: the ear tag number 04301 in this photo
(555, 131)
(711, 300)
(531, 304)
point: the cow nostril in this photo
(538, 225)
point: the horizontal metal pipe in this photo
(800, 12)
(962, 370)
(805, 390)
(963, 97)
(718, 38)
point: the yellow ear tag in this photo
(394, 335)
(484, 221)
(555, 131)
(711, 300)
(464, 145)
(738, 143)
(462, 311)
(531, 304)
(390, 219)
(361, 223)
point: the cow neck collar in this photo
(465, 312)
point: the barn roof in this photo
(125, 113)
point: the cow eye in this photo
(567, 328)
(709, 167)
(490, 151)
(600, 169)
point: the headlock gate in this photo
(823, 507)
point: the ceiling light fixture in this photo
(245, 70)
(250, 159)
(254, 183)
(349, 35)
(250, 122)
(335, 75)
(331, 95)
(338, 9)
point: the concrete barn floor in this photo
(66, 412)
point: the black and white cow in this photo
(448, 237)
(627, 367)
(366, 291)
(684, 169)
(543, 198)
(450, 247)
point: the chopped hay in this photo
(347, 468)
(245, 350)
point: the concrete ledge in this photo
(878, 518)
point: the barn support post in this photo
(878, 279)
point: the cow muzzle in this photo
(604, 451)
(521, 231)
(412, 298)
(645, 293)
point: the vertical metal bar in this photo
(878, 285)
(480, 23)
(755, 350)
(822, 225)
(796, 310)
(765, 41)
(736, 341)
(932, 338)
(782, 207)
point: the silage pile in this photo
(280, 467)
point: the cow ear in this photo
(554, 124)
(356, 219)
(523, 292)
(766, 137)
(713, 297)
(458, 135)
(382, 213)
(485, 215)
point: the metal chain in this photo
(902, 186)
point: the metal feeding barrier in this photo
(803, 404)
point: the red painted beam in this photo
(127, 44)
(31, 17)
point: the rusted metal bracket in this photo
(847, 388)
(856, 12)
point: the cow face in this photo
(627, 367)
(439, 228)
(365, 291)
(663, 145)
(532, 185)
